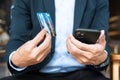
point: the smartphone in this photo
(88, 36)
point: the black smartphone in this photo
(89, 36)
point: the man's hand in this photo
(89, 54)
(29, 53)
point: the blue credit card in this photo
(46, 22)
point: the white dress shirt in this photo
(62, 61)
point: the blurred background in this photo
(4, 36)
(114, 32)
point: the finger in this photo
(45, 44)
(69, 47)
(81, 56)
(76, 52)
(81, 45)
(43, 55)
(39, 37)
(84, 57)
(37, 58)
(38, 51)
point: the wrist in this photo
(14, 66)
(15, 60)
(105, 61)
(104, 57)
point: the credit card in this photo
(46, 22)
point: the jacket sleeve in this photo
(20, 28)
(21, 31)
(101, 22)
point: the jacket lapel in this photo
(79, 10)
(50, 7)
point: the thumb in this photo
(101, 39)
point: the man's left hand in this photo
(88, 54)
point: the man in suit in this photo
(32, 53)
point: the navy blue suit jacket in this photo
(93, 14)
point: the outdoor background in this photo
(114, 31)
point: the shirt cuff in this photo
(15, 68)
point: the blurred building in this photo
(114, 31)
(4, 37)
(5, 13)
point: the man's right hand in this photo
(31, 53)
